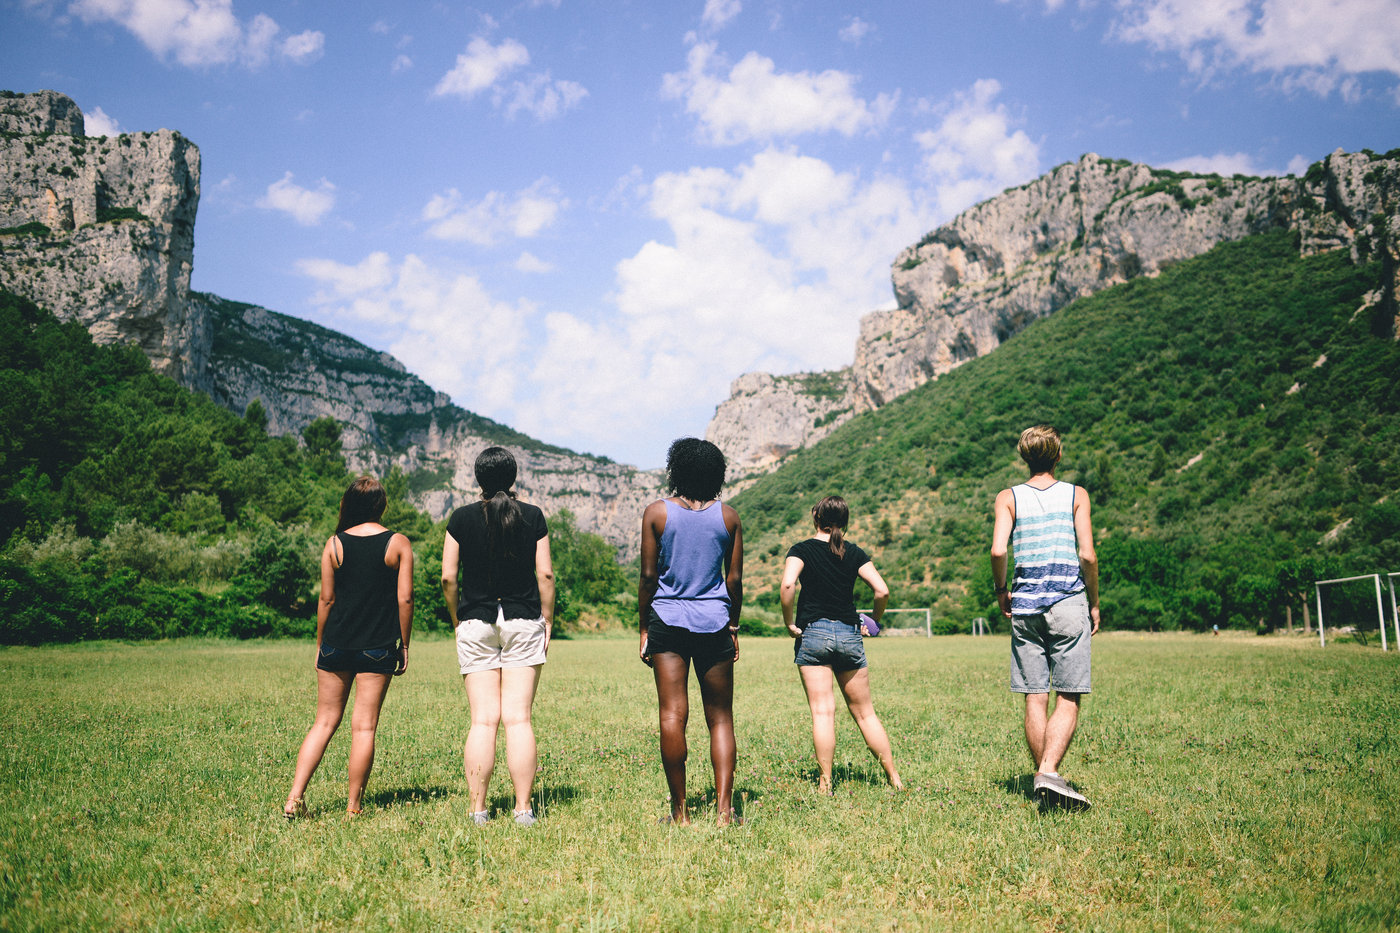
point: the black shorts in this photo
(703, 649)
(359, 661)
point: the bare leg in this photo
(518, 686)
(1059, 731)
(479, 753)
(717, 694)
(1036, 706)
(370, 690)
(672, 673)
(816, 680)
(332, 690)
(856, 686)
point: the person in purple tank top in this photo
(688, 602)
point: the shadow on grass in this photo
(847, 774)
(546, 797)
(398, 796)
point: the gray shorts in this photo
(1051, 651)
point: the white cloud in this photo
(855, 30)
(719, 12)
(304, 47)
(402, 63)
(756, 102)
(98, 123)
(1298, 165)
(974, 152)
(496, 216)
(451, 331)
(1314, 46)
(199, 33)
(768, 266)
(531, 264)
(481, 66)
(304, 205)
(1222, 163)
(542, 96)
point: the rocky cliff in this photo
(101, 230)
(1085, 226)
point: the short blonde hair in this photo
(1040, 448)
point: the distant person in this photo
(828, 630)
(1053, 603)
(688, 604)
(502, 609)
(363, 623)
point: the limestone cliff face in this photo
(766, 417)
(1085, 226)
(301, 371)
(101, 230)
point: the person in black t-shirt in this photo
(363, 623)
(502, 606)
(828, 630)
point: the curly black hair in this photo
(695, 469)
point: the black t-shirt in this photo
(828, 582)
(485, 584)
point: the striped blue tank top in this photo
(1043, 543)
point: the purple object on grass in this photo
(871, 628)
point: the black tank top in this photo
(365, 613)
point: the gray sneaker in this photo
(526, 817)
(1054, 789)
(481, 817)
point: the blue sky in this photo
(583, 219)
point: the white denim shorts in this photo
(489, 646)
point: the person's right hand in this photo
(1094, 614)
(403, 661)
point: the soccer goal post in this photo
(1380, 607)
(914, 629)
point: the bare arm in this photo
(544, 577)
(881, 592)
(787, 593)
(400, 556)
(1088, 558)
(653, 522)
(1005, 511)
(451, 557)
(323, 605)
(734, 567)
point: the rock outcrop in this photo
(1085, 226)
(301, 371)
(101, 230)
(766, 417)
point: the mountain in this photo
(1235, 418)
(101, 231)
(975, 282)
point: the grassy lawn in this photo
(1237, 782)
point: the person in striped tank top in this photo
(1052, 601)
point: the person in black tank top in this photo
(828, 630)
(363, 623)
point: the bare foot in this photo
(730, 818)
(824, 786)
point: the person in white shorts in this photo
(1052, 602)
(498, 580)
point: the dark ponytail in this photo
(495, 472)
(363, 502)
(831, 515)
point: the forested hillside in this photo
(133, 507)
(1234, 420)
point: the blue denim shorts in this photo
(829, 643)
(358, 661)
(1051, 651)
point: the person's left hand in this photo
(793, 630)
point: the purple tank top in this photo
(691, 593)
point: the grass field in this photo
(1237, 782)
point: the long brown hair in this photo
(363, 502)
(495, 473)
(831, 515)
